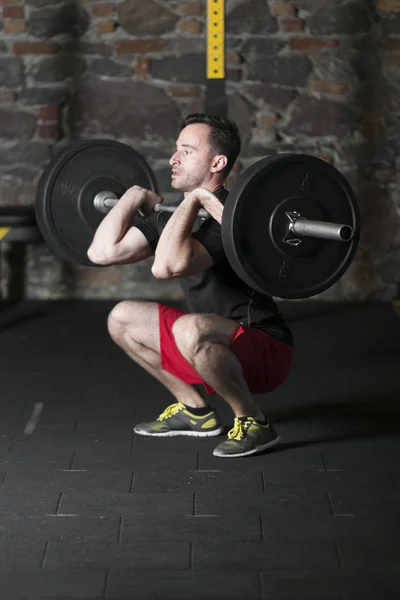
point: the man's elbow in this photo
(161, 271)
(100, 256)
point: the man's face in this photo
(192, 160)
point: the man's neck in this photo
(208, 186)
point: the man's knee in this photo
(191, 332)
(136, 322)
(117, 319)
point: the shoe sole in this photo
(253, 451)
(188, 433)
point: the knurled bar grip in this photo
(105, 201)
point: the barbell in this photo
(290, 225)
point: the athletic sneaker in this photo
(247, 437)
(178, 420)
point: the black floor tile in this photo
(265, 555)
(329, 481)
(175, 480)
(79, 481)
(135, 555)
(275, 503)
(111, 504)
(191, 528)
(346, 504)
(184, 585)
(57, 527)
(36, 584)
(21, 552)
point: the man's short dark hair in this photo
(224, 136)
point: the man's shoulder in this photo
(221, 193)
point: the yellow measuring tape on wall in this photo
(215, 39)
(3, 232)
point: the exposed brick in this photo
(291, 24)
(13, 12)
(6, 97)
(391, 44)
(184, 90)
(49, 132)
(105, 27)
(138, 46)
(388, 5)
(325, 157)
(142, 67)
(288, 70)
(233, 175)
(384, 176)
(109, 68)
(15, 26)
(232, 74)
(370, 116)
(190, 9)
(391, 60)
(15, 124)
(233, 58)
(190, 26)
(267, 119)
(323, 86)
(319, 117)
(372, 131)
(310, 43)
(110, 276)
(102, 10)
(282, 10)
(34, 48)
(49, 113)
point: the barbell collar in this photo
(104, 201)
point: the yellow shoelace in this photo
(172, 409)
(239, 428)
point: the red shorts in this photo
(265, 361)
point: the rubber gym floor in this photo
(89, 510)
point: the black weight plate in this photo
(254, 225)
(65, 211)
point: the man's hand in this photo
(207, 200)
(150, 199)
(146, 198)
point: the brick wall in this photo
(303, 76)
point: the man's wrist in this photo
(191, 201)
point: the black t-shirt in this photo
(218, 289)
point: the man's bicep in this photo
(201, 260)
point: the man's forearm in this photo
(175, 247)
(115, 224)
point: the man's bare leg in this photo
(134, 326)
(204, 341)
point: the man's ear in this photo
(219, 163)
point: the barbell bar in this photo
(297, 225)
(282, 219)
